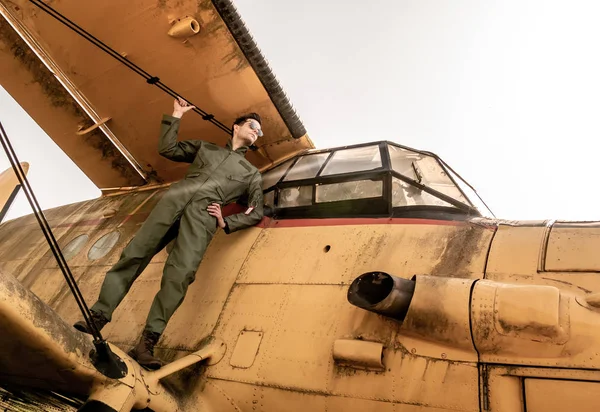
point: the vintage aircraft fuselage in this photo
(377, 281)
(498, 315)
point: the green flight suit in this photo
(217, 175)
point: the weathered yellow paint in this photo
(245, 349)
(358, 354)
(290, 283)
(439, 313)
(573, 247)
(543, 395)
(263, 398)
(505, 393)
(9, 182)
(299, 305)
(556, 330)
(504, 315)
(402, 249)
(515, 250)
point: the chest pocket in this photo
(205, 159)
(233, 186)
(199, 161)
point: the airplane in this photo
(378, 280)
(9, 188)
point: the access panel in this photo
(573, 247)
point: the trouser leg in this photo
(195, 233)
(158, 230)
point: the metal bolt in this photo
(444, 356)
(413, 351)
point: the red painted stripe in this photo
(268, 222)
(358, 221)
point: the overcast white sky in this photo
(506, 91)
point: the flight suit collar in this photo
(240, 150)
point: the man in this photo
(190, 212)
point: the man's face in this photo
(249, 131)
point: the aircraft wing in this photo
(97, 77)
(9, 187)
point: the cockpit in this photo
(380, 179)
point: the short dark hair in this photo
(242, 119)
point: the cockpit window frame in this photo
(385, 172)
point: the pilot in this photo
(190, 212)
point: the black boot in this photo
(143, 352)
(98, 319)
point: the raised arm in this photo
(168, 146)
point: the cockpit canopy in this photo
(370, 180)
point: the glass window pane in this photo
(475, 200)
(361, 189)
(74, 246)
(433, 176)
(271, 177)
(353, 160)
(295, 196)
(402, 161)
(269, 199)
(307, 167)
(103, 245)
(404, 194)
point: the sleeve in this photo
(254, 214)
(169, 147)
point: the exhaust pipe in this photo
(382, 293)
(431, 308)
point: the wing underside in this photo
(98, 77)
